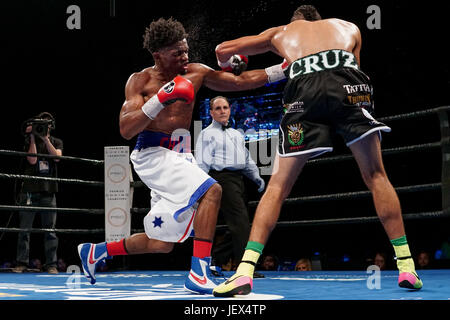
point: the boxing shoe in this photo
(200, 279)
(92, 256)
(409, 280)
(408, 277)
(238, 284)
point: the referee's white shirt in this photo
(219, 149)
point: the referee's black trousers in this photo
(233, 211)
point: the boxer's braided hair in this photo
(162, 33)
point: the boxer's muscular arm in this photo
(227, 81)
(248, 45)
(131, 119)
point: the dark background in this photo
(79, 76)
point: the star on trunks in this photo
(157, 222)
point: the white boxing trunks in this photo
(176, 183)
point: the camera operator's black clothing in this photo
(39, 193)
(44, 167)
(48, 221)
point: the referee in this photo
(220, 151)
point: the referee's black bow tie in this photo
(228, 125)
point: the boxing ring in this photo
(168, 285)
(276, 285)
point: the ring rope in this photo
(66, 231)
(27, 177)
(414, 114)
(68, 210)
(390, 151)
(134, 184)
(314, 198)
(355, 194)
(51, 209)
(45, 230)
(409, 216)
(26, 154)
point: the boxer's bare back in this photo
(297, 39)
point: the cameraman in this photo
(39, 193)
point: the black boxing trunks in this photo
(326, 93)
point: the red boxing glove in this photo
(178, 89)
(236, 64)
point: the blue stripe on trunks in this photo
(196, 196)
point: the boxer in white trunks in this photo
(158, 109)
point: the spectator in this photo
(423, 260)
(303, 264)
(269, 263)
(36, 264)
(61, 265)
(380, 260)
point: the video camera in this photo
(40, 125)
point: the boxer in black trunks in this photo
(326, 92)
(316, 103)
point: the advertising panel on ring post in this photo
(117, 193)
